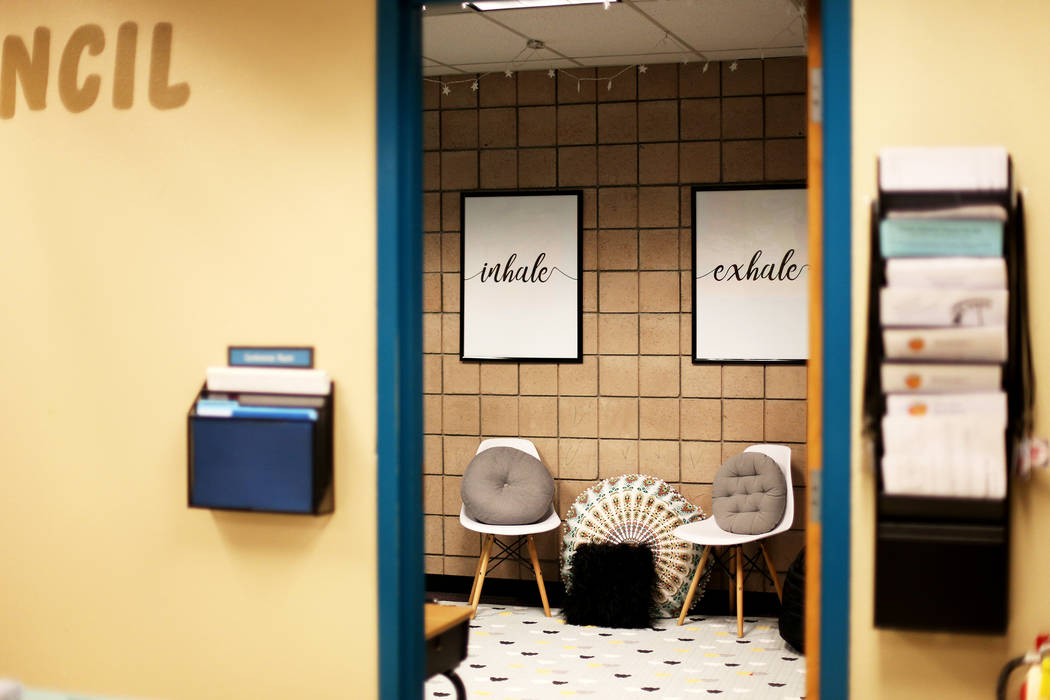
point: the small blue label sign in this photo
(271, 357)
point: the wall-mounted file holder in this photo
(264, 452)
(942, 522)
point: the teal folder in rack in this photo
(900, 238)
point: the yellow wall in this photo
(136, 245)
(941, 72)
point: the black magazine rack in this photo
(261, 464)
(942, 563)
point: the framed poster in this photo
(521, 287)
(750, 273)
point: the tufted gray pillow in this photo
(749, 494)
(505, 486)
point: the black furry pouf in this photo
(611, 585)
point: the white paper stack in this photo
(983, 212)
(899, 377)
(913, 306)
(943, 314)
(990, 405)
(983, 343)
(269, 380)
(959, 455)
(926, 169)
(946, 273)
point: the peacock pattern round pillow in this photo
(635, 508)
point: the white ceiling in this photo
(463, 40)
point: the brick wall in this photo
(637, 403)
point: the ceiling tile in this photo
(468, 38)
(586, 30)
(627, 33)
(732, 24)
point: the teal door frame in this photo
(836, 30)
(399, 348)
(399, 389)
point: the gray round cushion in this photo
(505, 486)
(749, 494)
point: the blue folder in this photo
(252, 464)
(216, 408)
(901, 238)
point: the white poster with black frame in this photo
(521, 281)
(750, 273)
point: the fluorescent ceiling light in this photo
(522, 4)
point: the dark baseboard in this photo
(502, 591)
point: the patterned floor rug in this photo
(516, 653)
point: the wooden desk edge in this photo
(441, 618)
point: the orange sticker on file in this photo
(913, 381)
(917, 409)
(916, 344)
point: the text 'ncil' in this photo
(31, 68)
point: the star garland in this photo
(447, 85)
(533, 45)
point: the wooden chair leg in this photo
(539, 576)
(692, 586)
(772, 571)
(732, 594)
(477, 572)
(483, 567)
(739, 591)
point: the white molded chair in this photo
(707, 533)
(524, 533)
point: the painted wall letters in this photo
(78, 89)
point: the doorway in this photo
(400, 379)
